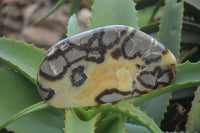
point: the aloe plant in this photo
(22, 109)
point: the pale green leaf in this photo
(113, 12)
(22, 57)
(72, 28)
(74, 125)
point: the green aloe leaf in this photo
(172, 41)
(113, 12)
(21, 57)
(194, 3)
(151, 29)
(158, 11)
(187, 72)
(150, 13)
(16, 94)
(176, 132)
(129, 110)
(144, 15)
(192, 125)
(58, 4)
(189, 54)
(170, 29)
(183, 93)
(145, 3)
(74, 125)
(187, 76)
(130, 128)
(24, 112)
(72, 28)
(74, 6)
(190, 33)
(117, 126)
(104, 124)
(156, 113)
(192, 8)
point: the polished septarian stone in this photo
(104, 65)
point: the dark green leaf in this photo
(192, 27)
(24, 112)
(189, 54)
(190, 37)
(151, 29)
(192, 9)
(156, 113)
(16, 94)
(192, 125)
(190, 33)
(74, 6)
(184, 93)
(145, 3)
(158, 12)
(130, 128)
(194, 3)
(144, 16)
